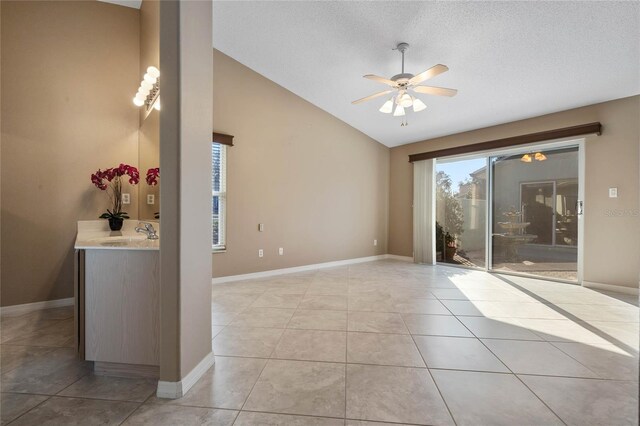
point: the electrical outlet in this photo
(151, 199)
(126, 198)
(260, 253)
(375, 242)
(280, 251)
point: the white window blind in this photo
(424, 245)
(219, 194)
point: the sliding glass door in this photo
(514, 211)
(534, 211)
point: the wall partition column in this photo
(424, 212)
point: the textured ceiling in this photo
(509, 60)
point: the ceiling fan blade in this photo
(430, 73)
(380, 79)
(375, 95)
(439, 91)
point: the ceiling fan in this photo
(404, 83)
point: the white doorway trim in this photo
(581, 192)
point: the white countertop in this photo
(95, 234)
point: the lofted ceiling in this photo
(508, 60)
(135, 4)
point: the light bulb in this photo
(149, 78)
(405, 100)
(146, 86)
(526, 158)
(156, 104)
(399, 112)
(387, 107)
(540, 156)
(153, 72)
(418, 105)
(138, 102)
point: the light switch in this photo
(261, 227)
(375, 242)
(280, 251)
(613, 192)
(126, 198)
(151, 199)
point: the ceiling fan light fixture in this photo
(405, 100)
(418, 105)
(540, 156)
(387, 107)
(402, 85)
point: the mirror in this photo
(149, 158)
(149, 132)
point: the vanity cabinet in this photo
(122, 297)
(117, 294)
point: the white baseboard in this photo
(303, 268)
(175, 390)
(36, 306)
(402, 258)
(610, 287)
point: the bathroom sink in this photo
(118, 241)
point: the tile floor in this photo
(383, 341)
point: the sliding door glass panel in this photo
(534, 226)
(536, 201)
(566, 219)
(461, 206)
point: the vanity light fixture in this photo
(149, 90)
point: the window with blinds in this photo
(219, 194)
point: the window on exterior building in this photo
(219, 194)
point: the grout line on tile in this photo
(132, 412)
(431, 375)
(521, 381)
(32, 408)
(291, 414)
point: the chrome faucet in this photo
(148, 229)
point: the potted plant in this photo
(445, 243)
(440, 241)
(110, 180)
(451, 249)
(152, 177)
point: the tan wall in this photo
(611, 244)
(69, 72)
(149, 152)
(319, 186)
